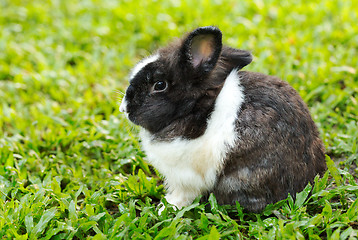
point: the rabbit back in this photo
(278, 149)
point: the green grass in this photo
(71, 166)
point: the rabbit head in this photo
(172, 92)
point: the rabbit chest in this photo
(192, 165)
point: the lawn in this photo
(71, 165)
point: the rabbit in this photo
(209, 127)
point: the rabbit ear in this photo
(235, 58)
(201, 49)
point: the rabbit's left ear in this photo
(201, 49)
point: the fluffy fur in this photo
(244, 136)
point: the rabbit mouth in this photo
(132, 118)
(136, 120)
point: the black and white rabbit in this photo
(210, 128)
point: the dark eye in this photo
(160, 86)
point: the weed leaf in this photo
(44, 220)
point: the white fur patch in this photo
(142, 64)
(123, 106)
(190, 167)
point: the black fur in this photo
(278, 148)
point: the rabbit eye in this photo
(160, 86)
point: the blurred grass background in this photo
(70, 163)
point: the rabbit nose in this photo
(123, 106)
